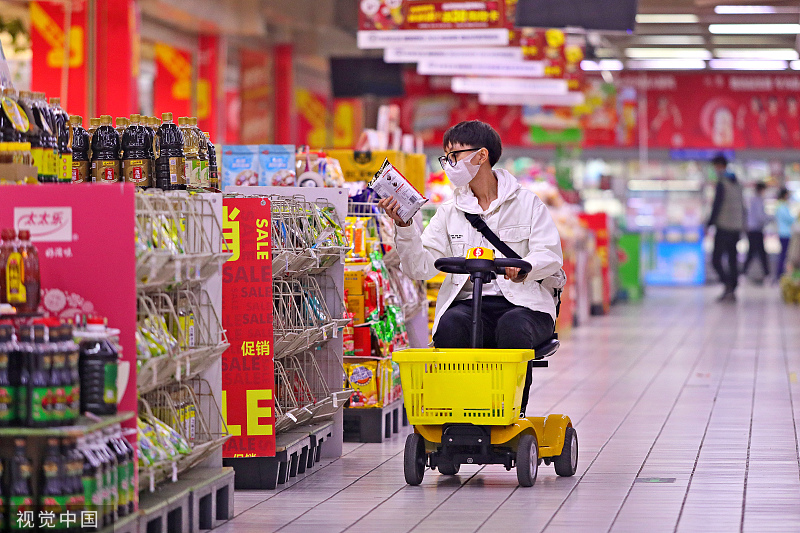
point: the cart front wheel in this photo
(527, 460)
(449, 469)
(414, 459)
(567, 462)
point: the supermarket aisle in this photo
(685, 412)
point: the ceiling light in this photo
(455, 67)
(666, 64)
(671, 40)
(754, 29)
(744, 10)
(604, 64)
(509, 86)
(648, 53)
(748, 64)
(794, 65)
(787, 54)
(570, 99)
(661, 18)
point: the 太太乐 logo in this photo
(46, 224)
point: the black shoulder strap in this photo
(479, 224)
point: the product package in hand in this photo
(389, 183)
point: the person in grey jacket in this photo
(756, 220)
(729, 216)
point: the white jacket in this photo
(517, 216)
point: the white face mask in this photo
(464, 171)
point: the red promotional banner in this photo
(248, 372)
(256, 97)
(47, 45)
(208, 85)
(172, 91)
(450, 15)
(87, 263)
(313, 118)
(725, 111)
(598, 223)
(380, 15)
(117, 57)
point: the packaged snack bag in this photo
(277, 165)
(388, 182)
(373, 296)
(240, 165)
(363, 378)
(349, 337)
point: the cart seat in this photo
(547, 348)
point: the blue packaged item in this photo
(240, 166)
(277, 165)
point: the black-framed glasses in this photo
(451, 158)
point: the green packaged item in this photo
(176, 441)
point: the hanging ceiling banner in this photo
(483, 55)
(567, 100)
(509, 86)
(431, 38)
(398, 23)
(444, 67)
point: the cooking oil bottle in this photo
(202, 153)
(191, 147)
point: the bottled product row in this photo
(51, 373)
(141, 150)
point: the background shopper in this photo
(785, 220)
(756, 220)
(728, 216)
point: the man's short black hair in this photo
(783, 193)
(761, 187)
(478, 134)
(720, 159)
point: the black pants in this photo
(505, 326)
(782, 258)
(725, 245)
(756, 251)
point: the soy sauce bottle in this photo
(80, 151)
(61, 121)
(21, 374)
(170, 164)
(98, 371)
(20, 491)
(7, 391)
(39, 386)
(73, 486)
(110, 495)
(51, 488)
(59, 377)
(105, 153)
(121, 456)
(91, 479)
(213, 171)
(73, 389)
(13, 121)
(136, 160)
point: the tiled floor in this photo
(686, 415)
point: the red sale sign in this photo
(248, 372)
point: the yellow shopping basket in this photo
(462, 385)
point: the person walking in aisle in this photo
(728, 216)
(785, 220)
(756, 220)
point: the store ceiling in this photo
(702, 34)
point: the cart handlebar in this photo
(461, 265)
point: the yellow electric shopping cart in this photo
(464, 403)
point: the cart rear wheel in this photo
(527, 460)
(567, 462)
(449, 469)
(414, 459)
